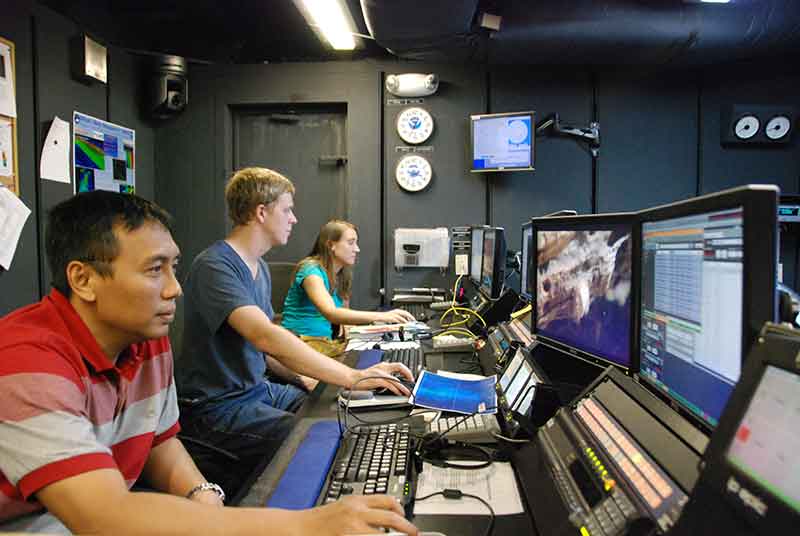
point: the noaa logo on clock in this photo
(414, 125)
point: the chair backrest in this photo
(281, 273)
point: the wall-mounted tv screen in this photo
(502, 142)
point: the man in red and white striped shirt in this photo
(88, 403)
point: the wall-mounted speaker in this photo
(757, 124)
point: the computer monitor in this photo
(476, 254)
(708, 268)
(494, 261)
(502, 142)
(750, 483)
(583, 286)
(525, 261)
(789, 209)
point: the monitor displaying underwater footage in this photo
(584, 285)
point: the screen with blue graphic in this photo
(502, 142)
(692, 308)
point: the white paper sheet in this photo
(54, 164)
(8, 100)
(366, 344)
(13, 214)
(494, 484)
(6, 149)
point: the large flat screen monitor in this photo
(525, 261)
(707, 286)
(502, 142)
(476, 254)
(584, 286)
(494, 261)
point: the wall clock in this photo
(414, 125)
(746, 127)
(413, 173)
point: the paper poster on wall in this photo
(103, 155)
(6, 148)
(8, 100)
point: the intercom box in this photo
(421, 248)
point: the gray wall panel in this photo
(455, 196)
(648, 155)
(20, 286)
(725, 167)
(563, 169)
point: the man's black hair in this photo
(82, 229)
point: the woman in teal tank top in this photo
(320, 292)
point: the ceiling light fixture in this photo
(331, 21)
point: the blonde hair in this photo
(253, 186)
(322, 254)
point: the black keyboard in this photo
(416, 309)
(410, 357)
(374, 459)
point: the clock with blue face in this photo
(413, 173)
(414, 125)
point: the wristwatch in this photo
(207, 486)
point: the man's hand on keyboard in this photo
(384, 370)
(357, 514)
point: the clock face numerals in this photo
(746, 127)
(414, 125)
(778, 127)
(413, 173)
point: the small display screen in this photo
(511, 370)
(768, 437)
(487, 273)
(519, 381)
(502, 142)
(523, 404)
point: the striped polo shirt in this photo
(66, 409)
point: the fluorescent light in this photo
(715, 1)
(330, 19)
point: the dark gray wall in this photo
(660, 143)
(46, 89)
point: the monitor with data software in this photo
(707, 286)
(494, 262)
(476, 254)
(583, 286)
(525, 261)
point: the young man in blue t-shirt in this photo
(229, 335)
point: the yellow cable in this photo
(464, 309)
(522, 311)
(460, 331)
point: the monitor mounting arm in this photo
(590, 135)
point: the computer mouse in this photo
(383, 391)
(422, 317)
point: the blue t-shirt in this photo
(300, 315)
(216, 362)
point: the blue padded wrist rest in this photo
(367, 358)
(302, 480)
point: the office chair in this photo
(281, 273)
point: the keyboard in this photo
(374, 459)
(416, 309)
(410, 357)
(473, 429)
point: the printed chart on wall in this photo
(103, 154)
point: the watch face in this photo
(778, 127)
(746, 127)
(413, 173)
(414, 125)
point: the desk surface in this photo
(321, 404)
